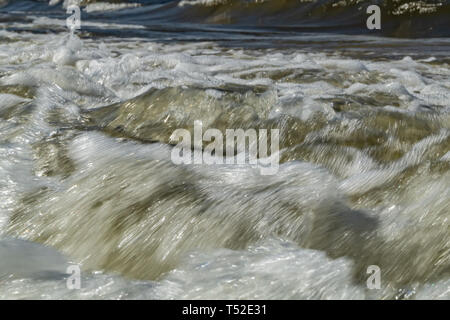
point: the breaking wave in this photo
(86, 175)
(400, 18)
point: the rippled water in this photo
(86, 175)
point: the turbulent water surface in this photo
(86, 175)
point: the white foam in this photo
(271, 270)
(105, 6)
(344, 64)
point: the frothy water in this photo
(86, 175)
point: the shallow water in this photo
(86, 176)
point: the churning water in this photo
(86, 175)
